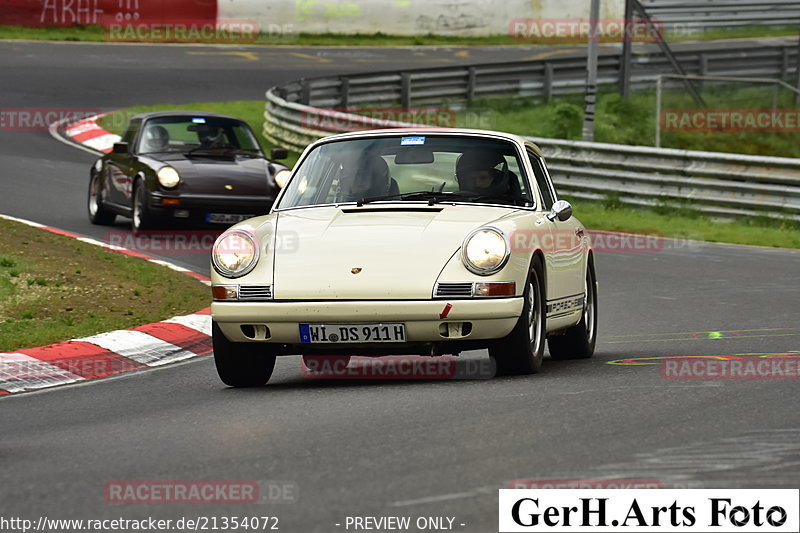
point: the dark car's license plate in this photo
(223, 218)
(358, 333)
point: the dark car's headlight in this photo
(485, 251)
(282, 177)
(235, 253)
(168, 177)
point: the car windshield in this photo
(409, 168)
(196, 134)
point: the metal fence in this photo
(716, 183)
(704, 14)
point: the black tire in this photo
(98, 213)
(241, 364)
(142, 218)
(578, 342)
(324, 363)
(522, 350)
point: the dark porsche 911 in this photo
(174, 166)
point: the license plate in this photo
(352, 333)
(223, 218)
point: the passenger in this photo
(156, 139)
(477, 173)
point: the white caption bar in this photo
(650, 510)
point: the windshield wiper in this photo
(432, 197)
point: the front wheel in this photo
(241, 364)
(142, 218)
(522, 351)
(98, 214)
(578, 342)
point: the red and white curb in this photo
(85, 135)
(106, 354)
(88, 133)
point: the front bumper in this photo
(489, 319)
(195, 207)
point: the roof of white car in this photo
(423, 131)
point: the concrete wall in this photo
(399, 17)
(407, 17)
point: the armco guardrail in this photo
(715, 183)
(723, 13)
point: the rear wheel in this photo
(98, 214)
(579, 341)
(522, 351)
(241, 364)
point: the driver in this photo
(211, 137)
(477, 172)
(156, 139)
(368, 178)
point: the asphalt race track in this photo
(388, 448)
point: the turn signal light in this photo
(225, 292)
(497, 288)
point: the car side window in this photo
(542, 180)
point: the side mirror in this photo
(278, 153)
(561, 210)
(121, 148)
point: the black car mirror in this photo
(278, 153)
(121, 148)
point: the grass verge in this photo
(98, 34)
(54, 288)
(687, 225)
(633, 121)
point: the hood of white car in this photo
(370, 252)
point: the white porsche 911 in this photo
(417, 242)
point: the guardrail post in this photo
(784, 64)
(625, 60)
(471, 79)
(305, 92)
(548, 81)
(797, 95)
(703, 67)
(405, 90)
(344, 98)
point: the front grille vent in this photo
(451, 290)
(255, 292)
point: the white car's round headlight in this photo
(168, 177)
(235, 253)
(485, 251)
(282, 177)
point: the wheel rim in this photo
(137, 211)
(93, 196)
(534, 318)
(588, 310)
